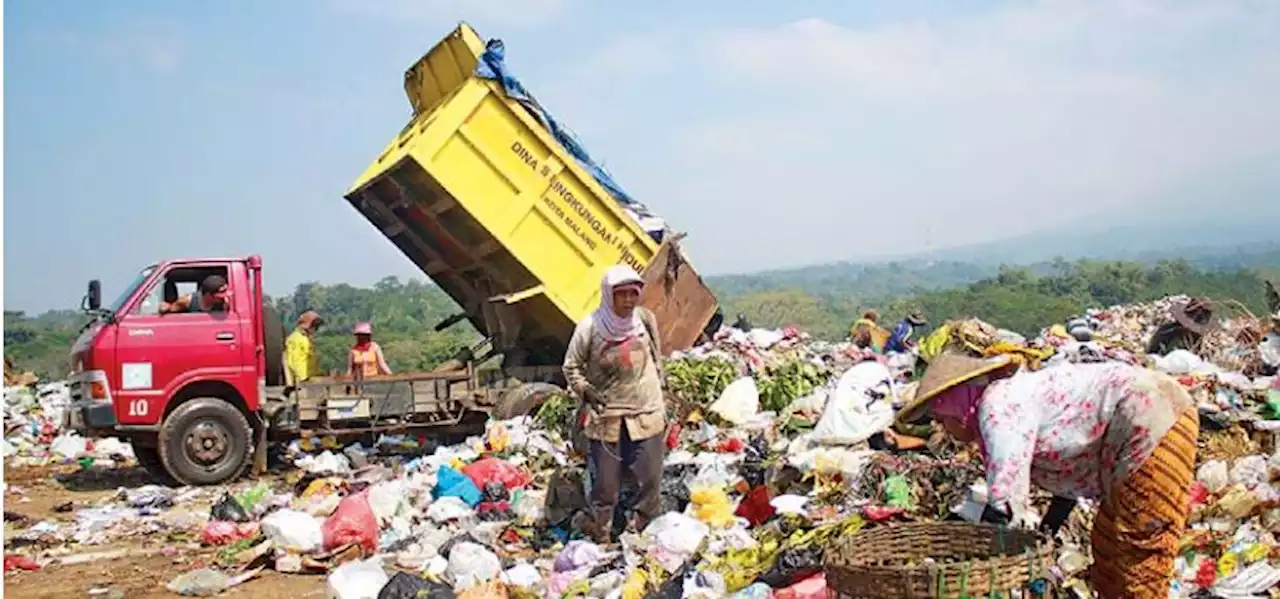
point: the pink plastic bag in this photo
(486, 470)
(219, 532)
(352, 522)
(814, 587)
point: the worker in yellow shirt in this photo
(300, 350)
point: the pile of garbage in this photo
(780, 444)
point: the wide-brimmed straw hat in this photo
(1185, 313)
(945, 371)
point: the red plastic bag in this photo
(220, 532)
(1198, 494)
(673, 436)
(755, 507)
(487, 470)
(814, 587)
(352, 522)
(879, 513)
(14, 561)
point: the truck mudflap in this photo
(677, 296)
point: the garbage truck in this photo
(490, 196)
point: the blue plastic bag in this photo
(451, 483)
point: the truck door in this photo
(157, 354)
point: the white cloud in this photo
(501, 12)
(974, 127)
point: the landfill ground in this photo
(132, 567)
(781, 452)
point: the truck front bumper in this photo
(87, 418)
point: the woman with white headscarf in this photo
(612, 365)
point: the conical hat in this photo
(945, 371)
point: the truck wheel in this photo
(273, 346)
(149, 460)
(524, 400)
(206, 441)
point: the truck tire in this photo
(149, 460)
(206, 441)
(273, 346)
(524, 400)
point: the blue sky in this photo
(771, 132)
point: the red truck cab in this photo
(184, 388)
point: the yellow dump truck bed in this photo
(481, 195)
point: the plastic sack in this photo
(448, 508)
(793, 565)
(739, 402)
(755, 507)
(712, 506)
(854, 413)
(1181, 361)
(451, 483)
(407, 586)
(352, 522)
(756, 590)
(220, 532)
(293, 530)
(254, 500)
(1249, 471)
(577, 554)
(897, 492)
(358, 580)
(228, 510)
(471, 564)
(385, 499)
(676, 537)
(529, 507)
(487, 470)
(814, 587)
(1214, 475)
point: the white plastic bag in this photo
(739, 402)
(676, 537)
(470, 565)
(1181, 361)
(358, 580)
(68, 445)
(1214, 475)
(854, 412)
(385, 498)
(292, 529)
(1249, 471)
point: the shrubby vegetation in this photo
(823, 300)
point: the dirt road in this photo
(132, 567)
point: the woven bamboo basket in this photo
(967, 560)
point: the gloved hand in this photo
(1025, 519)
(592, 398)
(1059, 511)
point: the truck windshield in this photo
(114, 307)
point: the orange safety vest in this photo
(366, 361)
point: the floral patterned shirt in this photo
(1074, 429)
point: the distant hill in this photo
(873, 281)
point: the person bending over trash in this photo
(900, 341)
(1191, 320)
(612, 364)
(1114, 431)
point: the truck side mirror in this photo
(94, 297)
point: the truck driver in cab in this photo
(212, 296)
